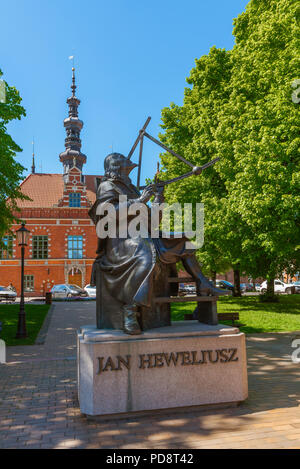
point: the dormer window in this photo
(74, 199)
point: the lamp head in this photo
(22, 235)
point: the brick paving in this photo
(39, 407)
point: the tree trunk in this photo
(270, 286)
(237, 283)
(213, 277)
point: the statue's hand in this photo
(159, 194)
(147, 193)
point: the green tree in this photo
(240, 108)
(10, 170)
(190, 130)
(258, 136)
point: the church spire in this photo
(73, 87)
(73, 126)
(33, 163)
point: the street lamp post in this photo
(22, 238)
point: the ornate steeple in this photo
(73, 127)
(33, 163)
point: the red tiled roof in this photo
(46, 190)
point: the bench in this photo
(221, 317)
(229, 317)
(206, 304)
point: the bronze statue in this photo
(128, 271)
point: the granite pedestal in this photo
(186, 364)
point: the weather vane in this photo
(71, 57)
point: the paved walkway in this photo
(39, 407)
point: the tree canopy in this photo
(10, 170)
(239, 107)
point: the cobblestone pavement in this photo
(39, 407)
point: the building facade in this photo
(63, 240)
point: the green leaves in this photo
(10, 171)
(239, 107)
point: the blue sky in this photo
(132, 58)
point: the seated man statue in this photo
(127, 264)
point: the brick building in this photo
(63, 240)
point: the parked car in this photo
(181, 289)
(190, 289)
(246, 287)
(67, 291)
(255, 286)
(279, 287)
(297, 286)
(7, 294)
(224, 284)
(91, 291)
(186, 289)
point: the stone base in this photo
(186, 364)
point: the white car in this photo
(7, 294)
(67, 291)
(279, 287)
(91, 291)
(190, 289)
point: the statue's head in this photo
(117, 165)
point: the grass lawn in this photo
(257, 317)
(35, 315)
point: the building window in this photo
(75, 247)
(74, 199)
(6, 250)
(40, 247)
(28, 283)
